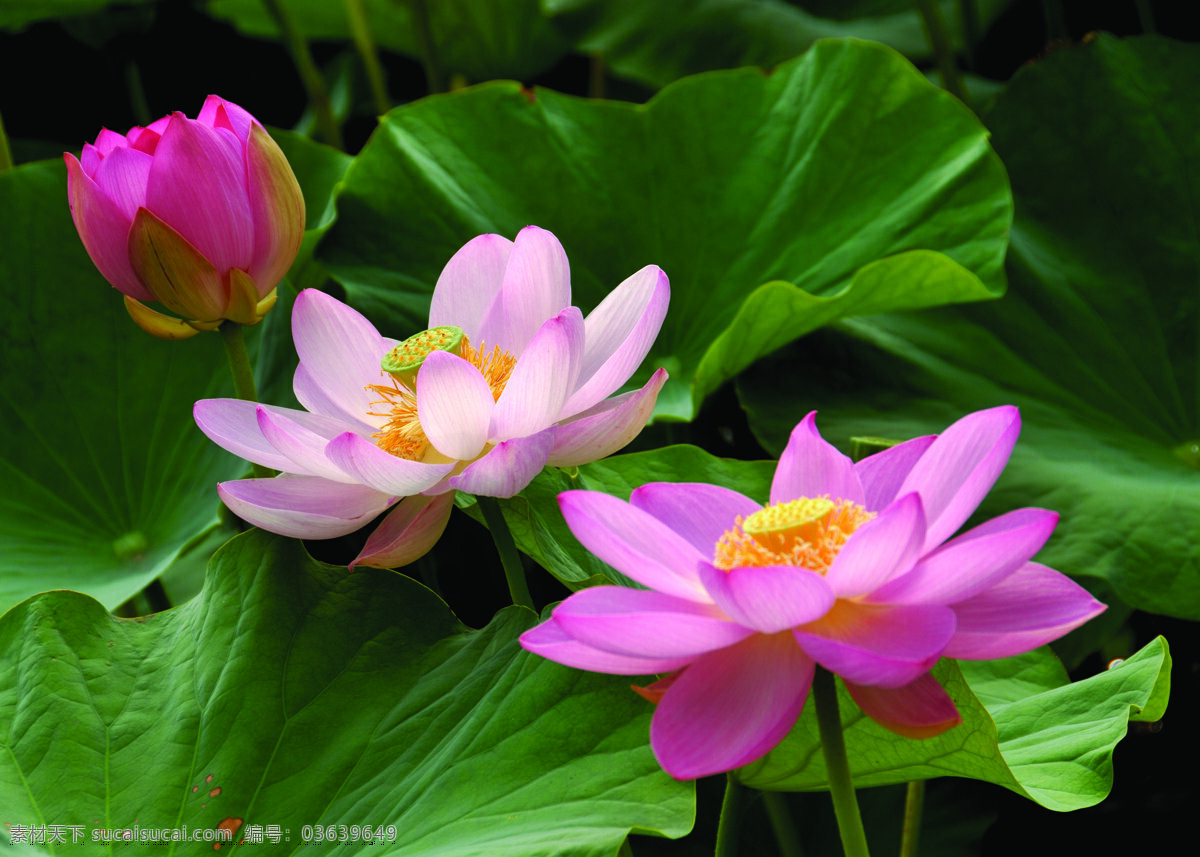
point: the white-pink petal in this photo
(303, 507)
(699, 512)
(232, 424)
(470, 284)
(543, 377)
(536, 286)
(884, 547)
(454, 405)
(607, 427)
(960, 467)
(635, 543)
(643, 623)
(408, 532)
(381, 470)
(811, 467)
(507, 467)
(340, 352)
(550, 641)
(302, 438)
(768, 599)
(731, 707)
(316, 401)
(1031, 607)
(618, 336)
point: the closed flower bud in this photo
(202, 215)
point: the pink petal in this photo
(882, 548)
(543, 377)
(408, 532)
(878, 645)
(108, 141)
(811, 467)
(919, 709)
(145, 140)
(454, 405)
(302, 440)
(219, 113)
(508, 467)
(883, 473)
(1031, 607)
(90, 159)
(340, 352)
(122, 176)
(212, 212)
(370, 465)
(552, 642)
(607, 427)
(768, 599)
(536, 286)
(643, 623)
(635, 543)
(960, 467)
(699, 512)
(104, 230)
(233, 424)
(316, 401)
(731, 707)
(619, 333)
(976, 560)
(303, 507)
(469, 285)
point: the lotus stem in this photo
(837, 766)
(433, 70)
(786, 835)
(730, 824)
(914, 803)
(507, 548)
(310, 75)
(5, 153)
(243, 375)
(943, 48)
(361, 30)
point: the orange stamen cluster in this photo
(808, 533)
(402, 434)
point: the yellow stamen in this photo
(808, 532)
(402, 434)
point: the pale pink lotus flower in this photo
(527, 384)
(845, 568)
(202, 215)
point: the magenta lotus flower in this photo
(848, 567)
(509, 378)
(202, 215)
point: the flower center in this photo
(402, 434)
(808, 532)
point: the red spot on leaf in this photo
(208, 779)
(230, 825)
(195, 789)
(215, 792)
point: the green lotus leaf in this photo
(841, 183)
(294, 694)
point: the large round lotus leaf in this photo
(843, 183)
(293, 694)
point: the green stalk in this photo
(433, 69)
(243, 375)
(1145, 16)
(972, 31)
(137, 94)
(786, 835)
(731, 817)
(361, 31)
(837, 766)
(5, 154)
(914, 802)
(943, 48)
(509, 557)
(310, 75)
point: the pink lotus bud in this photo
(202, 215)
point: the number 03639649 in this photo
(365, 833)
